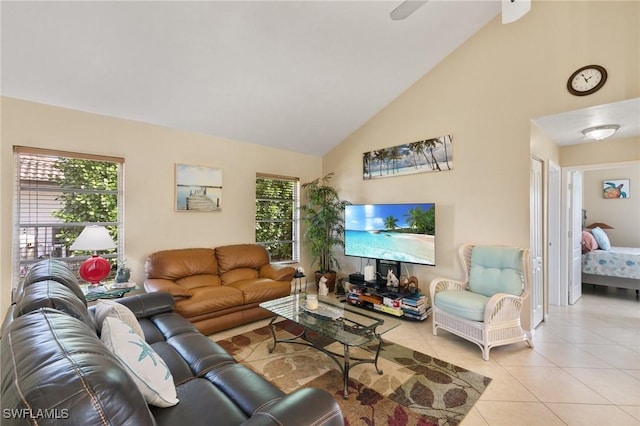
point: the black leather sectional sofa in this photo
(56, 370)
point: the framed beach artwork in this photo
(198, 188)
(428, 155)
(615, 188)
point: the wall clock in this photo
(587, 80)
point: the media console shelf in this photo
(415, 306)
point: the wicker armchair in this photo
(484, 309)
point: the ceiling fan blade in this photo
(512, 10)
(405, 9)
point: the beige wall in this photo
(485, 94)
(150, 154)
(622, 214)
(602, 152)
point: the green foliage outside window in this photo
(89, 194)
(275, 216)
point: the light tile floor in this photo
(584, 369)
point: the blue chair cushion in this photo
(464, 304)
(496, 270)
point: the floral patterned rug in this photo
(414, 389)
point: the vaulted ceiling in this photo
(296, 75)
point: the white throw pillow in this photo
(601, 238)
(109, 308)
(145, 366)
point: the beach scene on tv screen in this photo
(401, 232)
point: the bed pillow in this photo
(601, 238)
(589, 243)
(145, 366)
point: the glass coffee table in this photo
(342, 323)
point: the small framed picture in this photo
(198, 188)
(615, 188)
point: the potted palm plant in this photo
(323, 216)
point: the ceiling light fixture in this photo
(600, 132)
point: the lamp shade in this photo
(93, 238)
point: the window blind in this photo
(57, 194)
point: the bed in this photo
(615, 267)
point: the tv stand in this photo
(380, 298)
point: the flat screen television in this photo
(394, 232)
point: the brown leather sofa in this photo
(219, 288)
(55, 370)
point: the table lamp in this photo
(95, 269)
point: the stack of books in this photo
(415, 306)
(391, 304)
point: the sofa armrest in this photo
(148, 304)
(278, 273)
(309, 406)
(167, 286)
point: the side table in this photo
(297, 283)
(112, 292)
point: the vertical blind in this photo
(57, 194)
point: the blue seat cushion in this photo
(496, 270)
(463, 304)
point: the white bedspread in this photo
(621, 262)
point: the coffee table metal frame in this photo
(353, 328)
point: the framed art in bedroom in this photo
(615, 188)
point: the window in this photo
(277, 222)
(57, 194)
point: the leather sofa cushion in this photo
(62, 365)
(195, 281)
(203, 398)
(245, 387)
(238, 256)
(52, 294)
(209, 299)
(52, 270)
(180, 263)
(148, 304)
(239, 274)
(262, 289)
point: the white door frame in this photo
(562, 286)
(554, 223)
(574, 225)
(536, 210)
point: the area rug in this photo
(414, 389)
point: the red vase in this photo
(94, 269)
